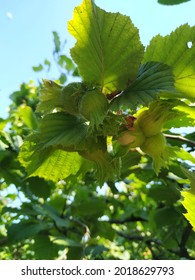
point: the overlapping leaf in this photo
(51, 164)
(189, 198)
(108, 50)
(62, 129)
(107, 167)
(28, 117)
(44, 248)
(153, 78)
(25, 229)
(50, 97)
(185, 117)
(176, 50)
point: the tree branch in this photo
(112, 95)
(180, 138)
(128, 220)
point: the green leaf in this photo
(185, 116)
(63, 78)
(57, 42)
(70, 97)
(153, 78)
(169, 194)
(66, 62)
(189, 198)
(175, 50)
(48, 64)
(29, 209)
(62, 129)
(55, 216)
(24, 230)
(38, 68)
(10, 210)
(50, 164)
(96, 206)
(28, 117)
(96, 251)
(3, 146)
(189, 111)
(45, 249)
(108, 50)
(182, 154)
(66, 242)
(39, 187)
(104, 229)
(162, 160)
(155, 146)
(50, 97)
(3, 123)
(166, 216)
(172, 2)
(107, 167)
(75, 253)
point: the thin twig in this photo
(180, 138)
(128, 220)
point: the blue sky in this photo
(26, 32)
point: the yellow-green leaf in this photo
(28, 116)
(189, 198)
(50, 164)
(108, 50)
(177, 50)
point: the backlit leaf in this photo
(108, 50)
(185, 116)
(67, 63)
(153, 78)
(189, 198)
(50, 164)
(50, 97)
(62, 129)
(182, 154)
(66, 242)
(28, 117)
(176, 50)
(107, 167)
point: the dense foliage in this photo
(94, 168)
